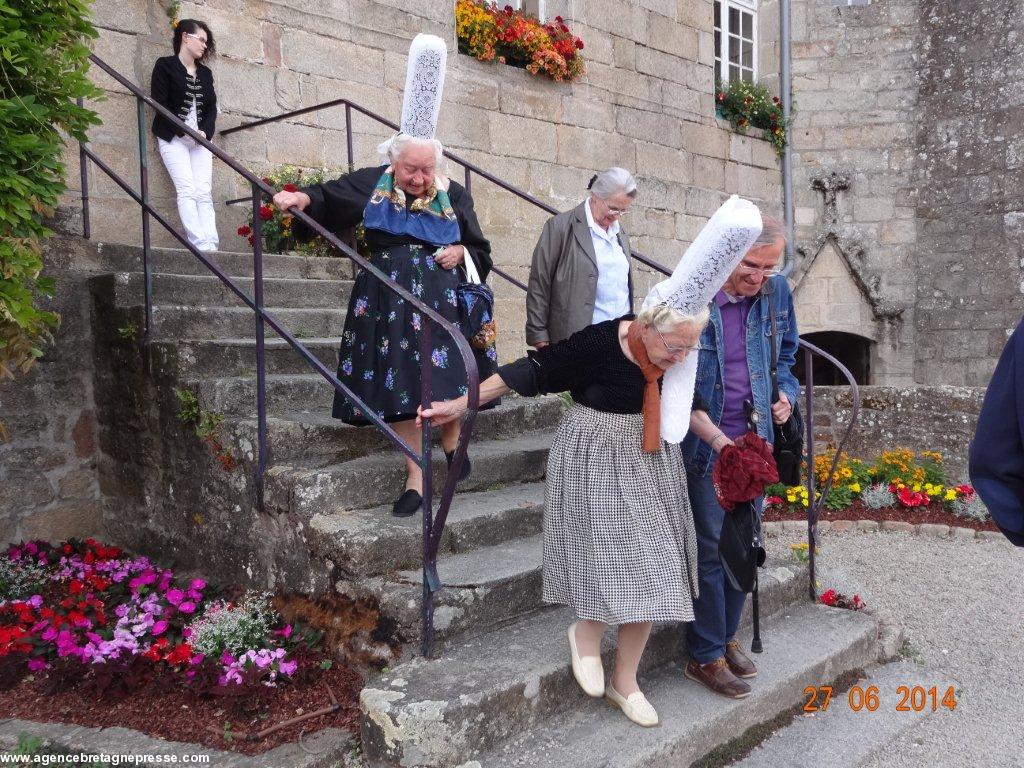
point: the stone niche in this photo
(834, 313)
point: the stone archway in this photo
(852, 350)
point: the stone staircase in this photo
(500, 692)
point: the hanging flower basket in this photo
(511, 37)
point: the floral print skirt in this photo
(379, 358)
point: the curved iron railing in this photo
(816, 504)
(433, 526)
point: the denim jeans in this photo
(718, 608)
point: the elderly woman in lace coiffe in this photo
(619, 540)
(420, 228)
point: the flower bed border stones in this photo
(512, 37)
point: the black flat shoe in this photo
(467, 467)
(407, 504)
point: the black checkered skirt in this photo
(619, 541)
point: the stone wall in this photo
(919, 418)
(855, 84)
(48, 481)
(646, 104)
(971, 188)
(908, 178)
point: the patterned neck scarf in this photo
(430, 218)
(652, 395)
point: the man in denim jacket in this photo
(734, 368)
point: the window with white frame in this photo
(536, 7)
(736, 40)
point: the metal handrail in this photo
(469, 168)
(432, 526)
(816, 505)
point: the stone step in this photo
(806, 645)
(237, 357)
(316, 435)
(188, 322)
(841, 737)
(378, 479)
(482, 587)
(369, 542)
(209, 291)
(128, 258)
(512, 680)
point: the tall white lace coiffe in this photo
(700, 274)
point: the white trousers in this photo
(191, 169)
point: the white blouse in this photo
(612, 299)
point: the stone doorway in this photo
(850, 349)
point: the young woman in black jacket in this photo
(184, 85)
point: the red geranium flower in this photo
(244, 230)
(266, 212)
(290, 188)
(828, 597)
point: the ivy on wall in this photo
(43, 65)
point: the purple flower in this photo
(197, 659)
(34, 665)
(187, 607)
(227, 658)
(174, 596)
(159, 628)
(36, 601)
(197, 584)
(285, 632)
(142, 580)
(288, 667)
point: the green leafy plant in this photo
(749, 105)
(206, 425)
(173, 9)
(43, 65)
(128, 332)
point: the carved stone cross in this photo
(829, 184)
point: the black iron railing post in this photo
(261, 373)
(348, 137)
(147, 267)
(430, 579)
(469, 180)
(83, 169)
(812, 507)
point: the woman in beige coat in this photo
(580, 273)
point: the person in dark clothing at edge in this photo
(996, 463)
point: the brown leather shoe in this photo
(739, 664)
(716, 677)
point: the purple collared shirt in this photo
(736, 376)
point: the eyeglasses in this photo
(765, 271)
(670, 349)
(612, 211)
(196, 37)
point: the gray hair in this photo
(614, 181)
(665, 318)
(771, 230)
(392, 149)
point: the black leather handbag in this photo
(788, 446)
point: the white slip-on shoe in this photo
(587, 670)
(635, 706)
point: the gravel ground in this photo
(961, 606)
